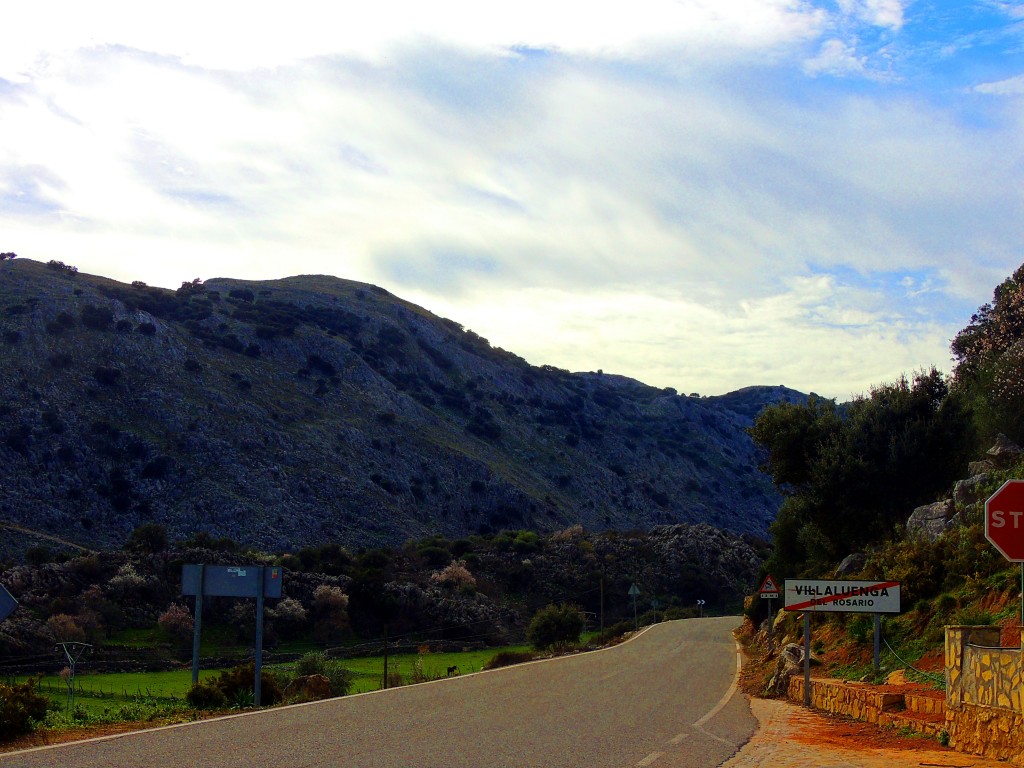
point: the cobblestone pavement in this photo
(789, 736)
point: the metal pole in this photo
(197, 625)
(257, 681)
(385, 655)
(770, 621)
(636, 625)
(878, 640)
(602, 602)
(807, 659)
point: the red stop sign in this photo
(1004, 520)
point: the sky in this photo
(699, 194)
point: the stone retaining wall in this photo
(840, 698)
(984, 686)
(921, 714)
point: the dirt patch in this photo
(834, 731)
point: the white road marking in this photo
(699, 725)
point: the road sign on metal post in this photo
(7, 603)
(634, 591)
(842, 596)
(1004, 528)
(769, 591)
(700, 608)
(231, 581)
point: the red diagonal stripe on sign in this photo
(860, 591)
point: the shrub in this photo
(330, 613)
(177, 622)
(64, 628)
(150, 537)
(234, 686)
(206, 695)
(312, 663)
(455, 575)
(555, 624)
(508, 658)
(288, 616)
(97, 318)
(318, 663)
(20, 708)
(108, 377)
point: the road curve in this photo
(666, 699)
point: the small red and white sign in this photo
(1004, 520)
(842, 596)
(769, 589)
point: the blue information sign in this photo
(7, 603)
(257, 581)
(230, 580)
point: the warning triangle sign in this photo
(769, 585)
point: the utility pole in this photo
(73, 651)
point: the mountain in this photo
(289, 412)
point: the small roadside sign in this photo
(839, 596)
(769, 589)
(7, 603)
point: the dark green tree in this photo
(850, 475)
(555, 624)
(150, 538)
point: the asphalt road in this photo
(666, 699)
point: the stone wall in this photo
(922, 714)
(984, 704)
(860, 702)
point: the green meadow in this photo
(106, 692)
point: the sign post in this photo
(634, 591)
(231, 581)
(769, 591)
(839, 596)
(1004, 528)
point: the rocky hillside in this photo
(290, 412)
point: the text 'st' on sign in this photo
(1004, 520)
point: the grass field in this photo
(101, 692)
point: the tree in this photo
(189, 287)
(64, 628)
(555, 624)
(850, 476)
(150, 538)
(4, 256)
(990, 361)
(177, 622)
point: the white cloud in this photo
(836, 58)
(879, 13)
(1013, 86)
(603, 204)
(231, 34)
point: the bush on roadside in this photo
(508, 658)
(20, 709)
(555, 624)
(234, 687)
(318, 663)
